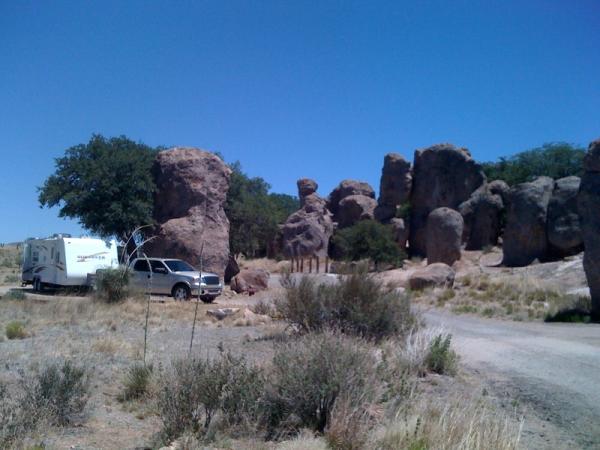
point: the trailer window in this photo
(36, 257)
(57, 256)
(52, 253)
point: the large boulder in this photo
(250, 281)
(345, 189)
(443, 175)
(588, 201)
(307, 232)
(191, 189)
(355, 208)
(564, 232)
(395, 186)
(525, 238)
(306, 187)
(482, 215)
(434, 275)
(444, 236)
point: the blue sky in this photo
(319, 89)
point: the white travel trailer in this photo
(62, 260)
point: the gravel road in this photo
(550, 370)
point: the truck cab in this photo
(174, 277)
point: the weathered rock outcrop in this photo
(231, 270)
(444, 236)
(395, 186)
(588, 201)
(434, 275)
(443, 175)
(307, 231)
(400, 231)
(250, 281)
(345, 189)
(354, 208)
(564, 232)
(306, 187)
(525, 238)
(191, 189)
(482, 215)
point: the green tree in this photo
(555, 160)
(367, 239)
(106, 184)
(254, 214)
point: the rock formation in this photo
(400, 231)
(395, 186)
(231, 270)
(444, 236)
(588, 201)
(345, 189)
(250, 281)
(306, 187)
(564, 232)
(443, 175)
(482, 215)
(191, 189)
(353, 208)
(525, 235)
(434, 275)
(307, 231)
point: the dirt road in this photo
(552, 371)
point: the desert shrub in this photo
(112, 285)
(57, 392)
(136, 382)
(15, 330)
(14, 294)
(194, 390)
(11, 279)
(312, 374)
(570, 308)
(367, 239)
(13, 424)
(440, 356)
(357, 304)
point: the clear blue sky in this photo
(319, 89)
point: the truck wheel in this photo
(181, 292)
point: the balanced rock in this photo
(434, 275)
(443, 175)
(355, 208)
(345, 189)
(306, 187)
(395, 186)
(564, 232)
(482, 215)
(250, 281)
(444, 236)
(588, 201)
(400, 231)
(525, 238)
(191, 189)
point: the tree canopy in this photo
(555, 160)
(106, 184)
(254, 214)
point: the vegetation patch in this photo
(16, 330)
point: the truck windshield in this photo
(177, 265)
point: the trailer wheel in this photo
(38, 286)
(181, 292)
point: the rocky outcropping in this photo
(443, 175)
(564, 232)
(250, 281)
(434, 275)
(306, 187)
(307, 231)
(355, 208)
(525, 237)
(400, 231)
(191, 189)
(482, 215)
(395, 186)
(345, 189)
(444, 236)
(231, 270)
(588, 201)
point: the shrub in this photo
(136, 382)
(358, 304)
(310, 375)
(12, 422)
(15, 294)
(367, 239)
(194, 390)
(57, 392)
(15, 330)
(440, 356)
(112, 285)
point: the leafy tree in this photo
(254, 214)
(107, 184)
(367, 239)
(555, 160)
